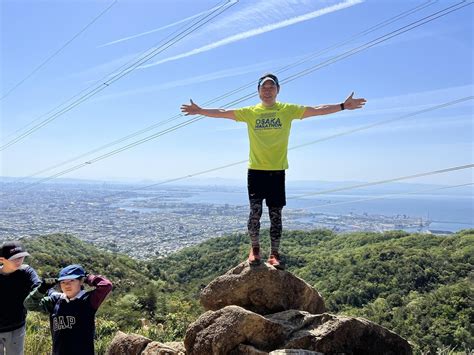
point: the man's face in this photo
(268, 92)
(71, 287)
(12, 265)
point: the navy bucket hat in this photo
(71, 272)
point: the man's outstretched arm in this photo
(349, 104)
(193, 109)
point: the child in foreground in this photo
(17, 280)
(72, 312)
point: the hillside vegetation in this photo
(417, 285)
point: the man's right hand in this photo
(191, 109)
(46, 284)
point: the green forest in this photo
(417, 285)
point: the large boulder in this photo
(130, 344)
(222, 331)
(259, 310)
(331, 334)
(244, 349)
(156, 348)
(234, 330)
(178, 345)
(133, 344)
(261, 289)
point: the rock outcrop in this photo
(225, 330)
(332, 334)
(259, 310)
(220, 332)
(127, 344)
(155, 348)
(133, 344)
(261, 289)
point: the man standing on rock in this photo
(269, 124)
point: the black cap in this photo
(268, 76)
(13, 250)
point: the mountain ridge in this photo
(416, 285)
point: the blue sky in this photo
(424, 67)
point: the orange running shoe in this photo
(274, 260)
(254, 256)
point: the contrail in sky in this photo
(157, 29)
(260, 30)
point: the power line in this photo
(285, 68)
(102, 80)
(429, 173)
(380, 123)
(327, 49)
(340, 134)
(42, 64)
(78, 166)
(389, 195)
(104, 156)
(362, 33)
(291, 78)
(381, 39)
(386, 181)
(381, 182)
(313, 55)
(123, 70)
(114, 77)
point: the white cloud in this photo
(261, 12)
(259, 30)
(158, 29)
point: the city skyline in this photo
(168, 218)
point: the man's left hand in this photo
(352, 104)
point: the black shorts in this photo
(268, 185)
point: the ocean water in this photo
(447, 212)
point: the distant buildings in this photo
(155, 223)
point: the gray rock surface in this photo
(130, 344)
(156, 348)
(259, 310)
(261, 289)
(234, 330)
(222, 331)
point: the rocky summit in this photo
(262, 289)
(259, 310)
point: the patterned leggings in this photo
(256, 208)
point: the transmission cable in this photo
(285, 68)
(156, 125)
(340, 134)
(198, 24)
(380, 182)
(123, 67)
(42, 64)
(381, 197)
(291, 78)
(381, 39)
(389, 196)
(320, 52)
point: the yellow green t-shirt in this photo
(269, 131)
